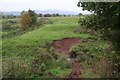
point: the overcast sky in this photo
(20, 5)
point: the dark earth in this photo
(63, 47)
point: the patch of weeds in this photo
(95, 57)
(33, 61)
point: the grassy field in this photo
(32, 50)
(61, 28)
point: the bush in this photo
(32, 62)
(105, 28)
(109, 19)
(11, 27)
(8, 24)
(98, 56)
(89, 24)
(96, 25)
(28, 19)
(44, 21)
(90, 21)
(25, 20)
(14, 68)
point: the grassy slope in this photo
(24, 46)
(22, 50)
(93, 56)
(62, 28)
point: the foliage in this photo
(44, 21)
(97, 59)
(27, 49)
(80, 14)
(9, 16)
(7, 24)
(109, 15)
(33, 17)
(28, 19)
(108, 20)
(31, 65)
(33, 47)
(90, 24)
(89, 21)
(25, 20)
(52, 15)
(11, 27)
(49, 15)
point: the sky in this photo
(20, 5)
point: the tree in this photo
(28, 19)
(47, 15)
(80, 14)
(110, 11)
(33, 17)
(25, 20)
(57, 15)
(109, 19)
(40, 15)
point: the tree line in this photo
(9, 16)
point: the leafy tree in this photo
(57, 14)
(108, 16)
(25, 20)
(28, 19)
(80, 14)
(33, 16)
(40, 15)
(47, 15)
(110, 11)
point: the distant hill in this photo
(50, 11)
(17, 13)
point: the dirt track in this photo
(63, 47)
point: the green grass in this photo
(96, 59)
(47, 33)
(60, 72)
(25, 48)
(3, 33)
(28, 46)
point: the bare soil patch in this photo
(63, 47)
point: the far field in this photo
(31, 54)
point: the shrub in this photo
(25, 20)
(10, 24)
(98, 56)
(109, 20)
(14, 68)
(44, 21)
(32, 62)
(28, 19)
